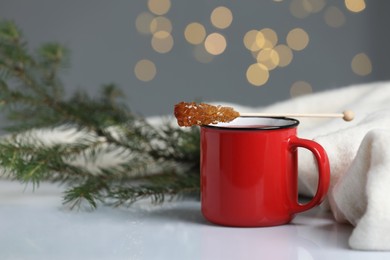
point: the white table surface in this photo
(34, 225)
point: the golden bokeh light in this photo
(285, 55)
(143, 22)
(298, 10)
(159, 7)
(313, 6)
(355, 6)
(145, 70)
(300, 88)
(297, 39)
(195, 33)
(361, 64)
(160, 23)
(254, 40)
(303, 8)
(201, 55)
(270, 36)
(257, 74)
(334, 17)
(221, 17)
(162, 42)
(269, 58)
(215, 43)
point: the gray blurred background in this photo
(106, 46)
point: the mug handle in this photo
(323, 172)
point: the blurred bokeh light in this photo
(145, 70)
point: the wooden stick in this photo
(346, 115)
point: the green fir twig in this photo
(147, 161)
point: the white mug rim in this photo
(243, 123)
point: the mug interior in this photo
(258, 123)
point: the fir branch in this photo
(90, 191)
(36, 162)
(145, 161)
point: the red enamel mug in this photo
(249, 172)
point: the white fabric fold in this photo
(361, 196)
(359, 155)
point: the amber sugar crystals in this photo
(192, 113)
